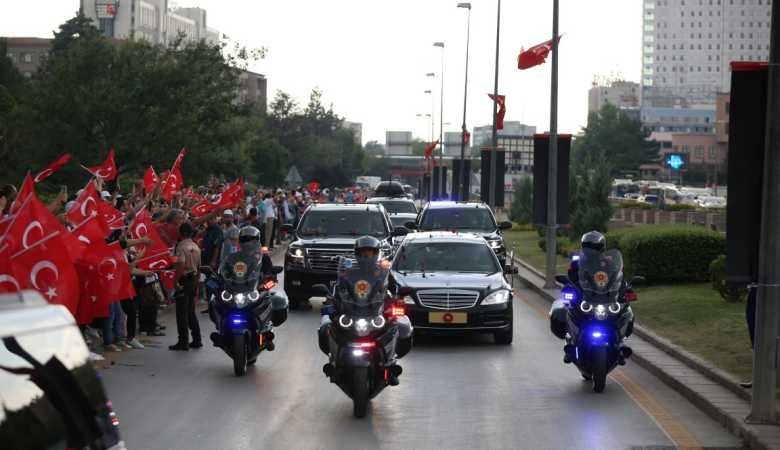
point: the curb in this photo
(730, 421)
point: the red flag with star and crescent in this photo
(105, 278)
(107, 170)
(150, 180)
(229, 198)
(501, 100)
(535, 55)
(53, 167)
(89, 203)
(156, 256)
(46, 267)
(174, 181)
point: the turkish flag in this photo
(168, 279)
(112, 216)
(53, 167)
(8, 282)
(156, 261)
(107, 170)
(429, 149)
(229, 198)
(192, 195)
(466, 137)
(47, 268)
(105, 278)
(91, 230)
(89, 203)
(150, 180)
(172, 184)
(35, 223)
(501, 100)
(142, 227)
(27, 188)
(535, 55)
(313, 187)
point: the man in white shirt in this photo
(270, 218)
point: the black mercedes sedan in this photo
(453, 282)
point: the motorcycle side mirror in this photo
(400, 231)
(206, 270)
(321, 290)
(637, 280)
(411, 225)
(287, 228)
(563, 279)
(277, 270)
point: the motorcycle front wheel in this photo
(599, 369)
(239, 355)
(360, 391)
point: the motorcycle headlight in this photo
(378, 322)
(241, 300)
(361, 327)
(600, 312)
(226, 296)
(496, 298)
(345, 321)
(586, 307)
(253, 296)
(614, 308)
(409, 300)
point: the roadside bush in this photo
(564, 248)
(636, 205)
(668, 253)
(681, 207)
(523, 227)
(727, 291)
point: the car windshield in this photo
(343, 223)
(397, 206)
(446, 256)
(399, 221)
(476, 219)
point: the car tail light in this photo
(268, 285)
(397, 311)
(631, 296)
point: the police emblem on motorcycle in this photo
(239, 269)
(601, 279)
(361, 288)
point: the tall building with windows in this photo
(151, 20)
(688, 45)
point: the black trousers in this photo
(186, 318)
(130, 307)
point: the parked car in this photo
(51, 395)
(453, 282)
(467, 217)
(326, 231)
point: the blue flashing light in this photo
(237, 320)
(596, 334)
(569, 296)
(575, 257)
(675, 161)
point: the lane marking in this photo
(672, 428)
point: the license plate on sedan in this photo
(448, 317)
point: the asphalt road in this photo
(456, 392)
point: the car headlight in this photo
(226, 296)
(241, 300)
(600, 312)
(295, 252)
(496, 298)
(409, 300)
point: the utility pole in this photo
(461, 196)
(494, 141)
(765, 356)
(552, 173)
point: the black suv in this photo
(468, 217)
(453, 282)
(400, 209)
(325, 232)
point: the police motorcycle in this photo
(364, 331)
(594, 315)
(243, 305)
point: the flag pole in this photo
(552, 175)
(494, 142)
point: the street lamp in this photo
(431, 115)
(441, 112)
(461, 175)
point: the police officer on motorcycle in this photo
(367, 266)
(249, 243)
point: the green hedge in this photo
(564, 248)
(672, 253)
(635, 205)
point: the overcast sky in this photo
(370, 57)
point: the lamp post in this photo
(430, 92)
(441, 109)
(494, 140)
(462, 171)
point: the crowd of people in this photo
(189, 237)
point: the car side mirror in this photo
(637, 280)
(505, 225)
(411, 225)
(404, 291)
(400, 231)
(321, 290)
(277, 270)
(287, 228)
(206, 270)
(510, 270)
(563, 279)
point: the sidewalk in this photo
(721, 403)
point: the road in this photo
(455, 393)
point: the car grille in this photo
(448, 298)
(324, 259)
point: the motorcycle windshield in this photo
(361, 293)
(601, 275)
(241, 274)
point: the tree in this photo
(79, 27)
(621, 140)
(590, 186)
(522, 208)
(373, 148)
